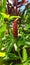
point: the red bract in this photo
(14, 5)
(22, 2)
(15, 29)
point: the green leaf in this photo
(25, 56)
(2, 54)
(13, 56)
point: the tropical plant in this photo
(14, 35)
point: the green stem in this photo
(19, 56)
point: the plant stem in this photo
(19, 56)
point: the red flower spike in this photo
(15, 29)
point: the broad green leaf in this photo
(25, 56)
(4, 15)
(8, 16)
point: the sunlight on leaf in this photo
(2, 54)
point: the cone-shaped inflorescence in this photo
(15, 28)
